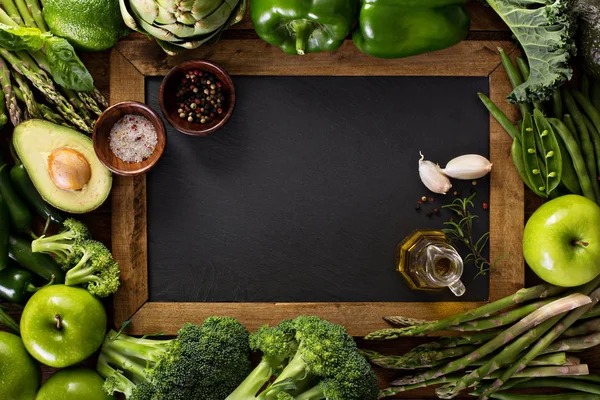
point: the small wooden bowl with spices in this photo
(129, 138)
(197, 97)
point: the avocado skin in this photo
(589, 36)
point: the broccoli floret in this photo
(63, 245)
(203, 362)
(95, 269)
(319, 360)
(545, 30)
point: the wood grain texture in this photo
(471, 58)
(129, 240)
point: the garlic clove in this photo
(432, 176)
(469, 166)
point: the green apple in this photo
(62, 325)
(73, 384)
(561, 242)
(19, 373)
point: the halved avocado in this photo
(62, 165)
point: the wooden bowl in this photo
(169, 104)
(101, 138)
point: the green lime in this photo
(92, 25)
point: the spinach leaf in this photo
(66, 68)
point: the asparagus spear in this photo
(575, 344)
(590, 326)
(76, 102)
(14, 111)
(3, 117)
(51, 116)
(544, 342)
(509, 385)
(559, 396)
(535, 318)
(36, 12)
(25, 13)
(28, 98)
(100, 99)
(421, 360)
(594, 312)
(90, 102)
(12, 11)
(572, 384)
(521, 296)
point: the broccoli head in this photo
(203, 362)
(310, 359)
(63, 245)
(545, 30)
(94, 268)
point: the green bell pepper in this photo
(303, 26)
(402, 28)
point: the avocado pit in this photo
(69, 169)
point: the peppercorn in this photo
(424, 198)
(485, 206)
(200, 97)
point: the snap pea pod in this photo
(524, 68)
(531, 160)
(515, 79)
(551, 155)
(499, 115)
(587, 148)
(571, 126)
(557, 105)
(575, 153)
(516, 151)
(589, 109)
(569, 176)
(20, 216)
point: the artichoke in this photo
(182, 24)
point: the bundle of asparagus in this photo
(511, 343)
(30, 86)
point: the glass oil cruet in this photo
(427, 261)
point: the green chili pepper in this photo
(23, 185)
(300, 26)
(16, 284)
(4, 232)
(587, 147)
(575, 152)
(402, 28)
(20, 216)
(551, 155)
(40, 264)
(533, 168)
(516, 151)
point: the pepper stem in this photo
(31, 288)
(303, 30)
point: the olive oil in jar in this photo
(427, 261)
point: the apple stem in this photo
(579, 243)
(58, 322)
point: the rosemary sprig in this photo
(462, 231)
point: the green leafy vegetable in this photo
(20, 38)
(66, 68)
(544, 28)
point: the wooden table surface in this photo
(485, 26)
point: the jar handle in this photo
(457, 288)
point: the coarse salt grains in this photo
(133, 138)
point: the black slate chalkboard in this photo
(308, 189)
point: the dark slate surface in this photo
(306, 192)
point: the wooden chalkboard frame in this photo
(132, 61)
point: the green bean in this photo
(569, 176)
(595, 93)
(524, 68)
(587, 148)
(533, 168)
(516, 151)
(572, 128)
(584, 179)
(585, 85)
(595, 141)
(515, 79)
(557, 106)
(591, 111)
(551, 155)
(499, 115)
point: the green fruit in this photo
(19, 373)
(73, 384)
(62, 165)
(561, 242)
(62, 325)
(92, 25)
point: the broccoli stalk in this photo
(202, 362)
(95, 270)
(311, 359)
(63, 245)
